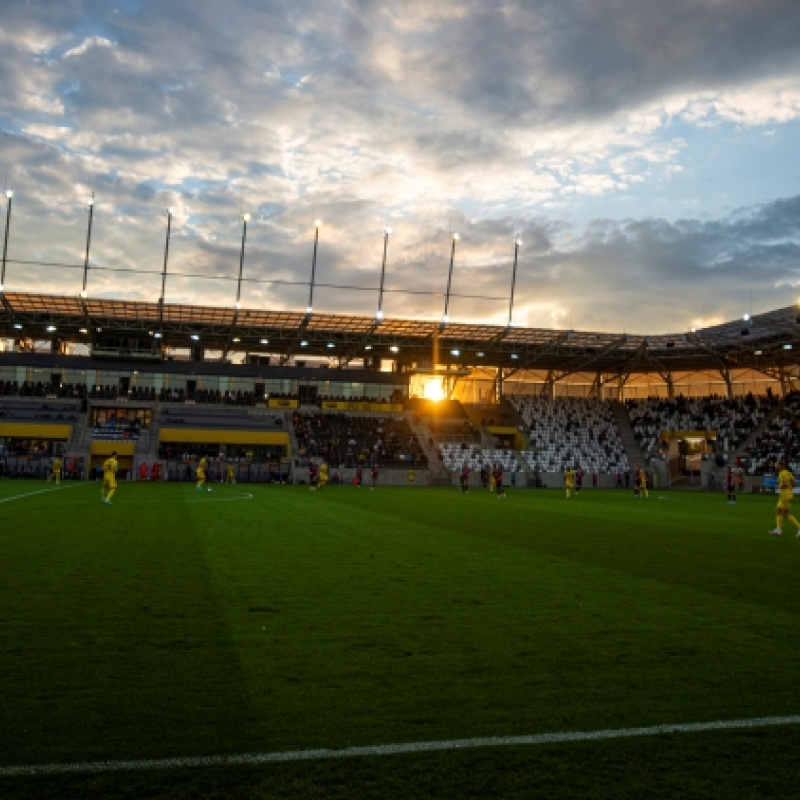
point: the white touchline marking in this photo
(391, 749)
(43, 491)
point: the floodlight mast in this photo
(387, 230)
(9, 196)
(245, 220)
(170, 209)
(317, 225)
(454, 238)
(90, 204)
(517, 243)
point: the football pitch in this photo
(182, 644)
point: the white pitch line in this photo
(248, 759)
(42, 491)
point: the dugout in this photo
(102, 449)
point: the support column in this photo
(621, 389)
(784, 381)
(726, 376)
(597, 386)
(670, 385)
(499, 385)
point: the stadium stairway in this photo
(439, 474)
(629, 441)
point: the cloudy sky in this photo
(647, 153)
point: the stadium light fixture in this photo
(304, 343)
(787, 347)
(331, 345)
(757, 353)
(455, 352)
(368, 347)
(394, 348)
(309, 309)
(90, 207)
(746, 318)
(83, 294)
(9, 196)
(237, 305)
(157, 335)
(265, 341)
(386, 232)
(236, 339)
(480, 355)
(317, 225)
(17, 326)
(454, 238)
(514, 356)
(245, 220)
(195, 337)
(51, 328)
(517, 245)
(84, 331)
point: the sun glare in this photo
(433, 390)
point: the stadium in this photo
(289, 515)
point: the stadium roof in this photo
(766, 342)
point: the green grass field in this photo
(267, 618)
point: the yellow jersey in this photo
(569, 478)
(201, 467)
(786, 485)
(56, 466)
(109, 469)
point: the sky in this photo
(647, 155)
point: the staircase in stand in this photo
(439, 475)
(629, 441)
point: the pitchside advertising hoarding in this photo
(770, 483)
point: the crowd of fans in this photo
(733, 419)
(779, 439)
(351, 440)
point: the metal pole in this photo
(166, 255)
(386, 233)
(88, 242)
(517, 243)
(450, 276)
(317, 223)
(9, 195)
(245, 218)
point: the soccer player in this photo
(498, 481)
(323, 474)
(110, 467)
(464, 477)
(636, 482)
(200, 473)
(783, 510)
(412, 476)
(313, 475)
(730, 482)
(643, 484)
(374, 473)
(569, 481)
(56, 470)
(230, 474)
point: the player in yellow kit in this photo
(783, 510)
(230, 474)
(110, 467)
(200, 473)
(643, 484)
(569, 481)
(323, 474)
(55, 470)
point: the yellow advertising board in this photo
(216, 436)
(107, 446)
(35, 430)
(282, 402)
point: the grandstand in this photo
(175, 396)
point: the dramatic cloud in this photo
(640, 150)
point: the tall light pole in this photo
(317, 225)
(9, 195)
(455, 237)
(386, 231)
(170, 210)
(245, 220)
(517, 244)
(90, 204)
